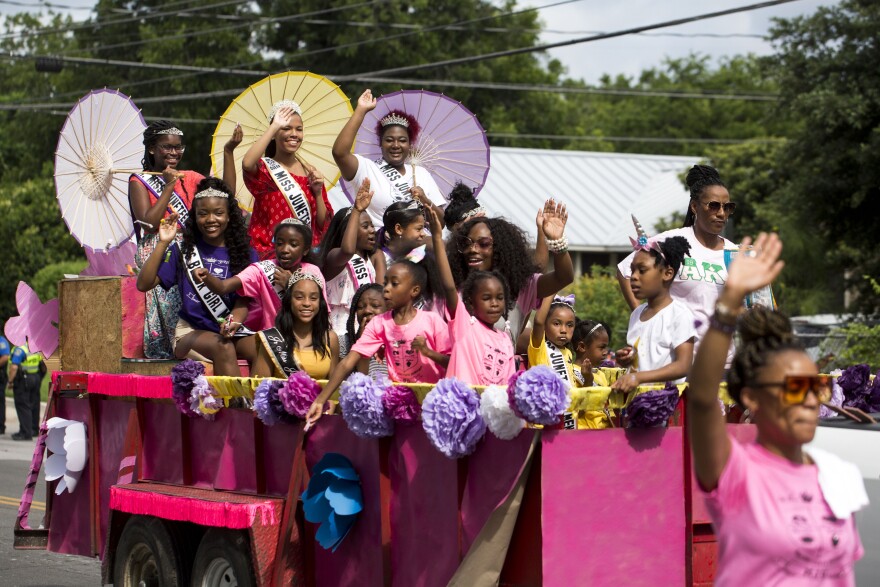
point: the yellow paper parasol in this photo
(325, 110)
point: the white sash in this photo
(400, 187)
(557, 362)
(156, 183)
(213, 302)
(288, 186)
(360, 271)
(268, 268)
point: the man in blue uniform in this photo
(25, 379)
(4, 379)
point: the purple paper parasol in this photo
(451, 145)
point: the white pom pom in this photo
(495, 409)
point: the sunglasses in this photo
(715, 207)
(796, 387)
(465, 244)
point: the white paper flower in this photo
(67, 442)
(495, 409)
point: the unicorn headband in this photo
(643, 243)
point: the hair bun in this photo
(763, 324)
(460, 192)
(702, 175)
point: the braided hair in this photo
(151, 138)
(699, 177)
(675, 248)
(412, 130)
(510, 253)
(238, 243)
(475, 278)
(461, 201)
(354, 335)
(764, 333)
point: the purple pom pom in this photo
(511, 398)
(298, 393)
(653, 408)
(854, 379)
(401, 404)
(361, 401)
(608, 363)
(451, 418)
(183, 376)
(267, 404)
(539, 395)
(202, 399)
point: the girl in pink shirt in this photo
(406, 281)
(482, 355)
(783, 512)
(264, 282)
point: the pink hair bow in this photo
(417, 254)
(643, 243)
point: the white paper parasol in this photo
(100, 143)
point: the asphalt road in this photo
(26, 568)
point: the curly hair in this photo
(584, 331)
(461, 201)
(151, 137)
(238, 243)
(764, 333)
(510, 253)
(699, 177)
(305, 233)
(474, 279)
(352, 321)
(412, 130)
(675, 248)
(285, 321)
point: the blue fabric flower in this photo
(451, 418)
(360, 398)
(333, 499)
(539, 395)
(653, 408)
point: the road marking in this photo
(14, 502)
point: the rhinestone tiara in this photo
(211, 193)
(284, 104)
(394, 119)
(171, 131)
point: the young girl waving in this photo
(406, 281)
(349, 257)
(301, 339)
(263, 283)
(214, 239)
(482, 354)
(661, 333)
(551, 334)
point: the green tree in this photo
(597, 297)
(45, 281)
(826, 65)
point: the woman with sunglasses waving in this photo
(704, 271)
(782, 511)
(160, 190)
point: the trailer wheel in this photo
(145, 555)
(223, 560)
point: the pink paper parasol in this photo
(451, 144)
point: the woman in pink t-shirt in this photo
(783, 512)
(482, 355)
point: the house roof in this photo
(601, 190)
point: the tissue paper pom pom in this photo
(202, 399)
(511, 399)
(401, 404)
(653, 408)
(854, 379)
(268, 405)
(495, 409)
(539, 395)
(183, 375)
(451, 418)
(361, 401)
(298, 393)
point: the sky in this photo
(627, 55)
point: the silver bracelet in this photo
(559, 245)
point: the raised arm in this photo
(139, 199)
(537, 335)
(229, 175)
(252, 158)
(148, 278)
(542, 255)
(627, 291)
(336, 258)
(316, 185)
(449, 290)
(345, 160)
(709, 440)
(555, 219)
